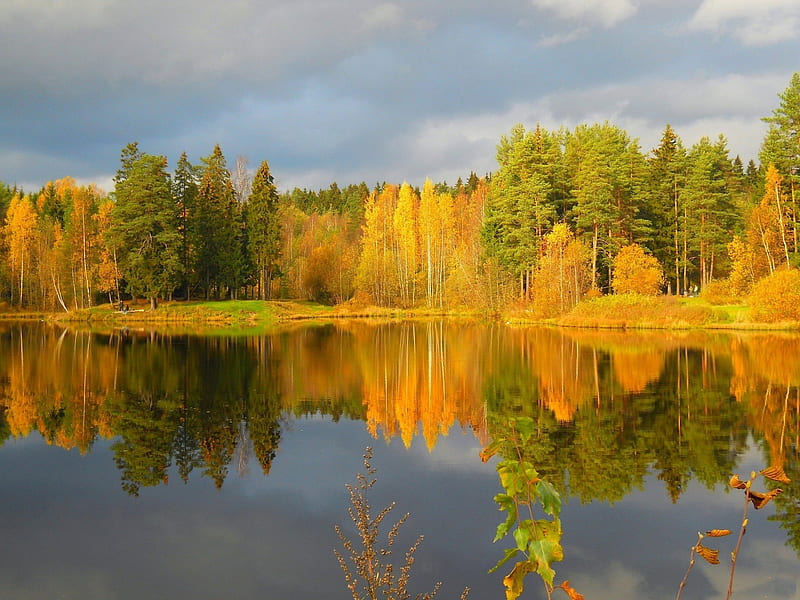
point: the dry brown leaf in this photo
(711, 555)
(760, 500)
(776, 473)
(737, 483)
(718, 532)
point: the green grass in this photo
(226, 313)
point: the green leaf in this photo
(510, 479)
(510, 553)
(546, 548)
(550, 498)
(523, 534)
(505, 503)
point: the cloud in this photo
(604, 12)
(753, 23)
(558, 39)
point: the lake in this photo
(143, 464)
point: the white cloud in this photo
(731, 105)
(753, 23)
(605, 12)
(558, 39)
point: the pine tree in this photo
(781, 148)
(145, 228)
(708, 213)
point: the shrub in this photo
(776, 297)
(636, 272)
(719, 292)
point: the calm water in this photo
(139, 465)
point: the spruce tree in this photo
(263, 229)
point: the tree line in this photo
(557, 220)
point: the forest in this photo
(567, 214)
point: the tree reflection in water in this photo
(608, 407)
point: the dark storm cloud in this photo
(363, 90)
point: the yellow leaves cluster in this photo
(636, 272)
(776, 297)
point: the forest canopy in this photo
(545, 229)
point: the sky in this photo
(371, 90)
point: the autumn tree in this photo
(263, 229)
(108, 275)
(377, 276)
(437, 243)
(20, 232)
(404, 223)
(563, 275)
(637, 272)
(83, 238)
(144, 228)
(742, 275)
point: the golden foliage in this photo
(776, 297)
(636, 272)
(737, 483)
(709, 554)
(718, 533)
(514, 581)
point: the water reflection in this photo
(609, 407)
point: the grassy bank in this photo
(225, 314)
(632, 311)
(626, 311)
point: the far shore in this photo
(612, 312)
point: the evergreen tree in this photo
(523, 200)
(184, 193)
(708, 213)
(263, 229)
(666, 178)
(216, 228)
(606, 171)
(781, 147)
(145, 228)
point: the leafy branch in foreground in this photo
(369, 573)
(538, 541)
(759, 500)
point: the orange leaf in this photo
(737, 483)
(571, 592)
(718, 532)
(711, 555)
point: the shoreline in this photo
(662, 314)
